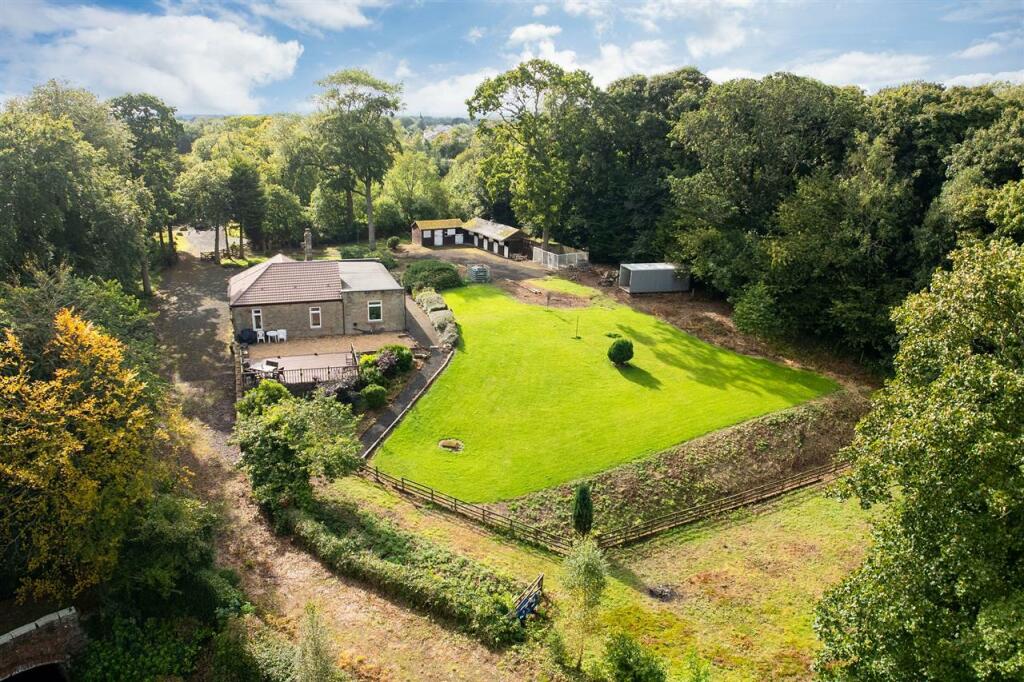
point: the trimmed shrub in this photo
(436, 274)
(403, 356)
(450, 335)
(387, 363)
(430, 300)
(375, 396)
(626, 660)
(441, 319)
(394, 243)
(621, 351)
(370, 374)
(367, 360)
(582, 510)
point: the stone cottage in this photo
(308, 299)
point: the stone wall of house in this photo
(357, 315)
(348, 316)
(294, 317)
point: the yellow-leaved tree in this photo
(76, 457)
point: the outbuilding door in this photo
(495, 249)
(458, 238)
(438, 237)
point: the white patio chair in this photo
(272, 336)
(282, 334)
(260, 336)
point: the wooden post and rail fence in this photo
(616, 537)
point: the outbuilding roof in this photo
(283, 280)
(491, 230)
(650, 266)
(437, 224)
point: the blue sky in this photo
(234, 56)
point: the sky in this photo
(265, 56)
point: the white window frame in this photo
(451, 231)
(428, 234)
(369, 306)
(315, 310)
(257, 314)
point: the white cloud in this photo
(972, 79)
(311, 17)
(474, 34)
(726, 73)
(869, 70)
(723, 37)
(595, 9)
(403, 70)
(985, 49)
(198, 64)
(540, 10)
(531, 33)
(446, 97)
(611, 63)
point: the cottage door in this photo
(458, 238)
(439, 238)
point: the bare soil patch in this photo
(550, 299)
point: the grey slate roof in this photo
(491, 230)
(283, 280)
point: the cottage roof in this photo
(437, 224)
(283, 280)
(491, 230)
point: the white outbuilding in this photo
(652, 278)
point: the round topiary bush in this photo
(374, 396)
(393, 243)
(621, 351)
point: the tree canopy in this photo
(941, 593)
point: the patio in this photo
(324, 351)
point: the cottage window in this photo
(314, 317)
(375, 311)
(426, 234)
(257, 319)
(451, 231)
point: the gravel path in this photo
(378, 639)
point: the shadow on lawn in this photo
(723, 369)
(639, 376)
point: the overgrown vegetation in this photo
(414, 570)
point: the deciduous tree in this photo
(76, 449)
(941, 593)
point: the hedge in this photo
(424, 576)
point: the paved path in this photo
(381, 639)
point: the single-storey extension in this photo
(503, 240)
(316, 298)
(651, 278)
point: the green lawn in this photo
(562, 286)
(536, 406)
